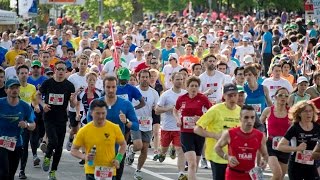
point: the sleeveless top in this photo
(244, 147)
(277, 126)
(298, 98)
(165, 55)
(256, 98)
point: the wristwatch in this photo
(127, 121)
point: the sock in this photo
(70, 139)
(181, 173)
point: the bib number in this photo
(145, 123)
(275, 142)
(256, 173)
(124, 96)
(8, 142)
(304, 157)
(257, 108)
(103, 173)
(189, 122)
(56, 99)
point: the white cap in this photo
(248, 59)
(211, 30)
(173, 55)
(302, 79)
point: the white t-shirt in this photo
(127, 57)
(169, 99)
(232, 66)
(6, 44)
(109, 67)
(134, 63)
(247, 34)
(294, 46)
(274, 85)
(99, 84)
(167, 71)
(215, 82)
(78, 81)
(10, 73)
(243, 51)
(144, 114)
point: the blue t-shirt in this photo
(10, 116)
(36, 82)
(67, 43)
(132, 48)
(114, 111)
(128, 92)
(267, 38)
(35, 42)
(3, 52)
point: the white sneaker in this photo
(130, 157)
(137, 175)
(204, 163)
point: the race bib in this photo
(56, 99)
(103, 173)
(8, 142)
(124, 96)
(256, 173)
(304, 157)
(257, 108)
(275, 142)
(186, 64)
(145, 123)
(189, 122)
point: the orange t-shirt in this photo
(290, 78)
(187, 60)
(53, 61)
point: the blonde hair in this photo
(297, 109)
(91, 74)
(155, 71)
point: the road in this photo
(69, 169)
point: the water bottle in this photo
(92, 152)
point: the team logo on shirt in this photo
(274, 87)
(245, 156)
(212, 84)
(106, 135)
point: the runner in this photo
(277, 123)
(11, 127)
(314, 90)
(304, 134)
(191, 106)
(212, 81)
(221, 116)
(171, 67)
(103, 135)
(169, 129)
(57, 92)
(299, 93)
(244, 143)
(145, 120)
(2, 84)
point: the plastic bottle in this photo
(92, 152)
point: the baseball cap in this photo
(248, 59)
(138, 49)
(240, 89)
(230, 88)
(173, 55)
(36, 63)
(302, 79)
(33, 30)
(244, 39)
(48, 70)
(12, 82)
(318, 54)
(123, 74)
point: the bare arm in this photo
(316, 152)
(284, 146)
(267, 96)
(141, 104)
(123, 147)
(75, 152)
(263, 149)
(290, 100)
(223, 141)
(265, 114)
(159, 109)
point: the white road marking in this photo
(152, 173)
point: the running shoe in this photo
(161, 157)
(137, 175)
(130, 157)
(46, 164)
(204, 163)
(52, 175)
(172, 152)
(43, 147)
(155, 157)
(69, 145)
(183, 177)
(82, 162)
(22, 175)
(36, 160)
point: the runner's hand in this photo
(302, 147)
(116, 163)
(78, 117)
(209, 92)
(233, 162)
(122, 117)
(262, 164)
(46, 108)
(179, 123)
(89, 157)
(23, 124)
(36, 109)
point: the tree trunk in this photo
(137, 14)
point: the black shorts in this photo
(191, 142)
(155, 118)
(72, 118)
(282, 157)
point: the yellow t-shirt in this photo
(76, 42)
(217, 119)
(28, 93)
(104, 138)
(11, 56)
(53, 61)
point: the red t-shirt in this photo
(189, 108)
(316, 102)
(141, 67)
(244, 147)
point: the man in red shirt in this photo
(243, 144)
(144, 65)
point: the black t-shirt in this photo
(297, 134)
(57, 95)
(2, 92)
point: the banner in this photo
(24, 6)
(62, 2)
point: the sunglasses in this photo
(282, 95)
(172, 59)
(61, 69)
(139, 51)
(154, 63)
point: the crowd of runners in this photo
(233, 95)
